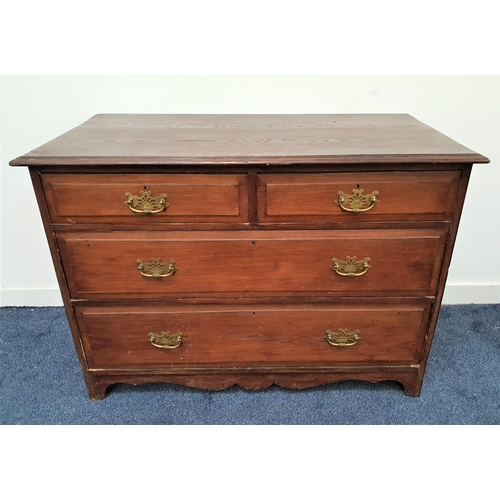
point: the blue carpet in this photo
(41, 383)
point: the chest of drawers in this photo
(213, 250)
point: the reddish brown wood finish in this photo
(216, 380)
(401, 196)
(100, 198)
(403, 262)
(223, 335)
(117, 140)
(253, 243)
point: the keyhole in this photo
(253, 244)
(357, 186)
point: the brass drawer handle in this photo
(342, 338)
(356, 201)
(156, 269)
(166, 341)
(146, 204)
(349, 266)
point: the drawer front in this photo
(149, 265)
(148, 198)
(368, 196)
(218, 335)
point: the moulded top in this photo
(156, 139)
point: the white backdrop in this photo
(34, 110)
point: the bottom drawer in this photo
(252, 335)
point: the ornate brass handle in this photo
(166, 341)
(342, 338)
(356, 201)
(156, 269)
(146, 204)
(350, 266)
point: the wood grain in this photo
(216, 380)
(104, 265)
(253, 229)
(249, 139)
(224, 335)
(100, 198)
(401, 196)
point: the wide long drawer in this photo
(153, 265)
(264, 335)
(146, 198)
(359, 196)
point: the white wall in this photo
(34, 110)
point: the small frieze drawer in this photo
(145, 198)
(159, 337)
(362, 196)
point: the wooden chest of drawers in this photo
(251, 249)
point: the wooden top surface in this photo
(129, 139)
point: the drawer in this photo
(145, 198)
(263, 335)
(148, 265)
(368, 196)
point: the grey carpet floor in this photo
(41, 383)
